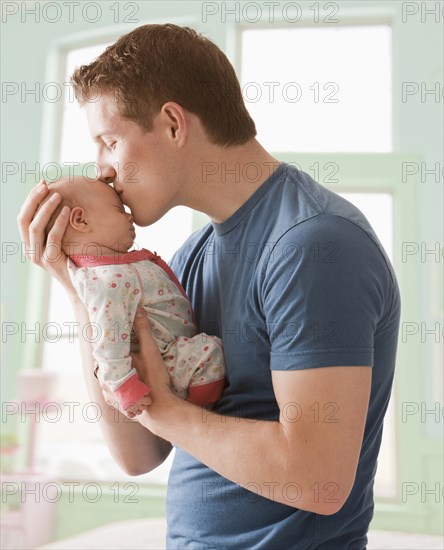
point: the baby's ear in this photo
(77, 219)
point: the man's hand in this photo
(112, 400)
(148, 361)
(138, 406)
(151, 370)
(32, 223)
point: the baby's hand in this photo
(138, 406)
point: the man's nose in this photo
(107, 174)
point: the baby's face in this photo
(112, 227)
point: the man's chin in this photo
(146, 221)
(139, 221)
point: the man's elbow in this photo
(325, 497)
(135, 470)
(137, 466)
(328, 509)
(322, 508)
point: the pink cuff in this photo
(131, 390)
(204, 394)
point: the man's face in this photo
(139, 164)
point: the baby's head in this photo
(98, 223)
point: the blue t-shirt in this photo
(295, 279)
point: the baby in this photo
(112, 281)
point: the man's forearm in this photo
(255, 454)
(133, 447)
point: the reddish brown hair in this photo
(158, 63)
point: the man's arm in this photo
(307, 460)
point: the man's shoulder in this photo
(187, 251)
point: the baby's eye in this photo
(111, 145)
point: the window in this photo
(328, 89)
(74, 148)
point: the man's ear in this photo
(175, 122)
(77, 220)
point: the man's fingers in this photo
(38, 224)
(33, 220)
(28, 209)
(54, 240)
(142, 329)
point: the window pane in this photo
(62, 356)
(60, 313)
(168, 234)
(385, 479)
(378, 209)
(77, 145)
(319, 89)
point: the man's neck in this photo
(226, 178)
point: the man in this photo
(288, 274)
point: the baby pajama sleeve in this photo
(111, 294)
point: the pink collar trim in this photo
(83, 260)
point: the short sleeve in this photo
(323, 295)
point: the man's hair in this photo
(154, 64)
